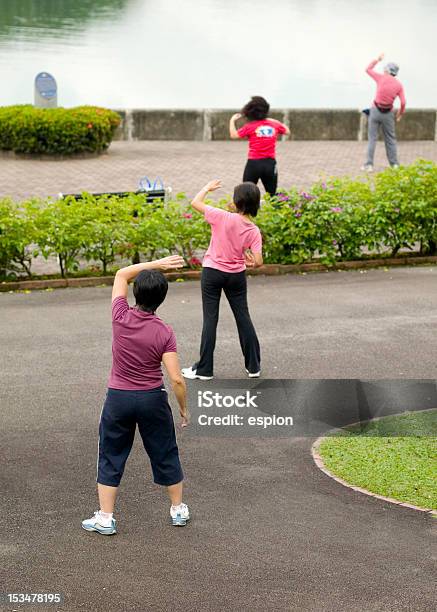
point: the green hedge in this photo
(336, 220)
(339, 218)
(56, 131)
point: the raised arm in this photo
(233, 132)
(372, 73)
(198, 203)
(124, 275)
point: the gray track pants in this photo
(387, 122)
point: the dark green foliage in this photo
(56, 131)
(334, 221)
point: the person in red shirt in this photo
(388, 88)
(262, 133)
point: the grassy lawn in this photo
(395, 456)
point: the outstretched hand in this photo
(172, 262)
(381, 57)
(213, 185)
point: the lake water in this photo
(215, 53)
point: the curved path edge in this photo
(266, 270)
(321, 465)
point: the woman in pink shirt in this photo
(262, 134)
(388, 88)
(235, 244)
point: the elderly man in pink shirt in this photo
(388, 88)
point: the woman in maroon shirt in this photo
(136, 396)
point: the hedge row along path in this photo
(336, 219)
(25, 129)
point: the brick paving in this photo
(187, 165)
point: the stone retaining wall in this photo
(305, 124)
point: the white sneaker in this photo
(367, 168)
(253, 374)
(191, 374)
(179, 515)
(100, 524)
(395, 166)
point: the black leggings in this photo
(235, 287)
(265, 169)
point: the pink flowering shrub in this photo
(334, 220)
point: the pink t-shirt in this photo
(262, 136)
(388, 88)
(139, 340)
(231, 235)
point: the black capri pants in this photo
(265, 169)
(234, 285)
(122, 412)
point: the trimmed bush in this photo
(334, 221)
(18, 236)
(159, 229)
(63, 231)
(404, 207)
(328, 221)
(56, 131)
(106, 222)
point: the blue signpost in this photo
(46, 91)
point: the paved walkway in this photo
(269, 530)
(186, 166)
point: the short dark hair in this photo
(150, 289)
(256, 109)
(247, 198)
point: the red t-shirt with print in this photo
(262, 136)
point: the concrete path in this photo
(270, 532)
(186, 166)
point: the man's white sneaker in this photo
(191, 374)
(100, 524)
(179, 515)
(395, 166)
(367, 168)
(253, 374)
